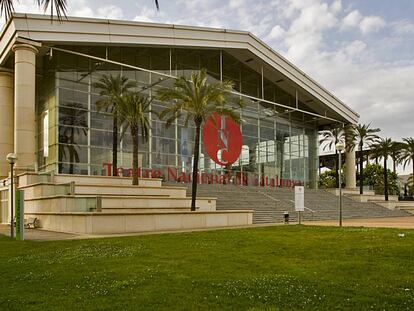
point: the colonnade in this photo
(17, 110)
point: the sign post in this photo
(19, 215)
(299, 201)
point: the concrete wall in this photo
(100, 223)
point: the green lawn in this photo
(271, 268)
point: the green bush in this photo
(327, 179)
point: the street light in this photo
(340, 147)
(11, 158)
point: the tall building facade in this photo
(51, 120)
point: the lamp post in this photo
(340, 147)
(11, 158)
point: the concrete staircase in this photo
(107, 205)
(392, 204)
(269, 204)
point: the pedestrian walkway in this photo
(390, 222)
(40, 235)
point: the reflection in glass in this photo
(71, 136)
(275, 142)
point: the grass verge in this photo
(269, 268)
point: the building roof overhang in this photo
(39, 29)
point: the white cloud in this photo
(276, 33)
(371, 24)
(145, 15)
(336, 6)
(352, 19)
(366, 24)
(371, 73)
(315, 17)
(355, 47)
(403, 27)
(80, 8)
(305, 35)
(110, 12)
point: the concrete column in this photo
(6, 119)
(350, 169)
(24, 106)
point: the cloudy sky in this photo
(362, 51)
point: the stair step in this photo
(269, 204)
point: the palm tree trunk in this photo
(394, 168)
(385, 179)
(361, 170)
(135, 137)
(115, 146)
(71, 150)
(337, 164)
(195, 166)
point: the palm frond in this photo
(7, 8)
(56, 6)
(133, 109)
(383, 148)
(197, 99)
(331, 137)
(407, 151)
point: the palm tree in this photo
(396, 155)
(329, 139)
(407, 152)
(58, 7)
(383, 149)
(132, 110)
(112, 89)
(362, 135)
(197, 100)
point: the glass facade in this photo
(279, 146)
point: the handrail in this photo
(307, 208)
(268, 196)
(311, 210)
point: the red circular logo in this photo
(222, 139)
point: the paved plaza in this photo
(390, 222)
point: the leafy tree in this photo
(197, 100)
(407, 152)
(374, 177)
(112, 88)
(382, 150)
(132, 110)
(362, 135)
(327, 179)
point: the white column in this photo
(6, 119)
(24, 106)
(350, 169)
